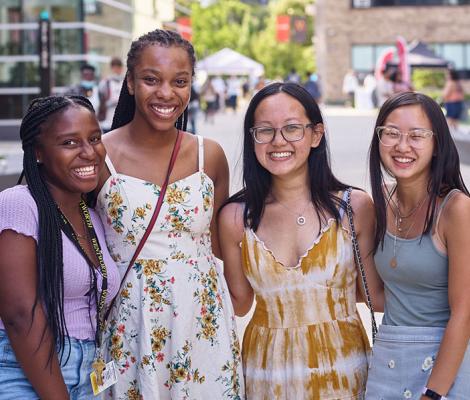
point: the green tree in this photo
(251, 30)
(227, 23)
(279, 58)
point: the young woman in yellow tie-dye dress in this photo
(285, 239)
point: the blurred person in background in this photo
(233, 92)
(384, 88)
(109, 89)
(193, 109)
(350, 84)
(210, 98)
(88, 86)
(453, 97)
(312, 86)
(399, 85)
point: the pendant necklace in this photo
(398, 220)
(301, 219)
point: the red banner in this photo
(283, 28)
(184, 27)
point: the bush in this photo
(428, 79)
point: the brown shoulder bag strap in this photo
(161, 197)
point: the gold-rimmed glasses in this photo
(290, 132)
(417, 138)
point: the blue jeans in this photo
(76, 371)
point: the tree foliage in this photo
(251, 30)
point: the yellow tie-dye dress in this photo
(305, 339)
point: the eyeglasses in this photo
(417, 138)
(290, 133)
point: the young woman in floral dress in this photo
(171, 330)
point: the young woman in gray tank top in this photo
(421, 253)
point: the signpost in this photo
(45, 46)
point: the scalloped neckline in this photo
(325, 229)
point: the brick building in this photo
(351, 34)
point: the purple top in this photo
(19, 213)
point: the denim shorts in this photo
(402, 360)
(76, 371)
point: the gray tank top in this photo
(416, 291)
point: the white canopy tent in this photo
(230, 62)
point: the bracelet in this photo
(432, 394)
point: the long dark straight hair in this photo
(257, 180)
(50, 265)
(445, 165)
(125, 108)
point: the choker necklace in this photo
(398, 220)
(301, 219)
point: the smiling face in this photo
(161, 85)
(279, 157)
(70, 151)
(402, 160)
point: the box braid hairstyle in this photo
(50, 287)
(125, 108)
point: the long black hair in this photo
(257, 180)
(125, 108)
(50, 286)
(445, 165)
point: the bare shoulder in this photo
(361, 202)
(230, 220)
(111, 140)
(213, 150)
(457, 210)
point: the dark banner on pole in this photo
(45, 46)
(299, 29)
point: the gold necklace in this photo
(398, 219)
(301, 219)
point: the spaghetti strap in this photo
(200, 141)
(110, 165)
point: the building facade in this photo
(83, 31)
(351, 34)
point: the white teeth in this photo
(281, 154)
(164, 110)
(85, 171)
(403, 159)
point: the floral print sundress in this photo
(171, 331)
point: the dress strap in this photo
(342, 209)
(110, 165)
(200, 141)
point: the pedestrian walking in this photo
(109, 90)
(56, 274)
(421, 252)
(171, 330)
(88, 86)
(453, 97)
(350, 85)
(285, 238)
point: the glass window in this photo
(467, 56)
(19, 74)
(68, 41)
(363, 58)
(14, 106)
(59, 10)
(454, 52)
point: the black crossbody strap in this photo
(359, 264)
